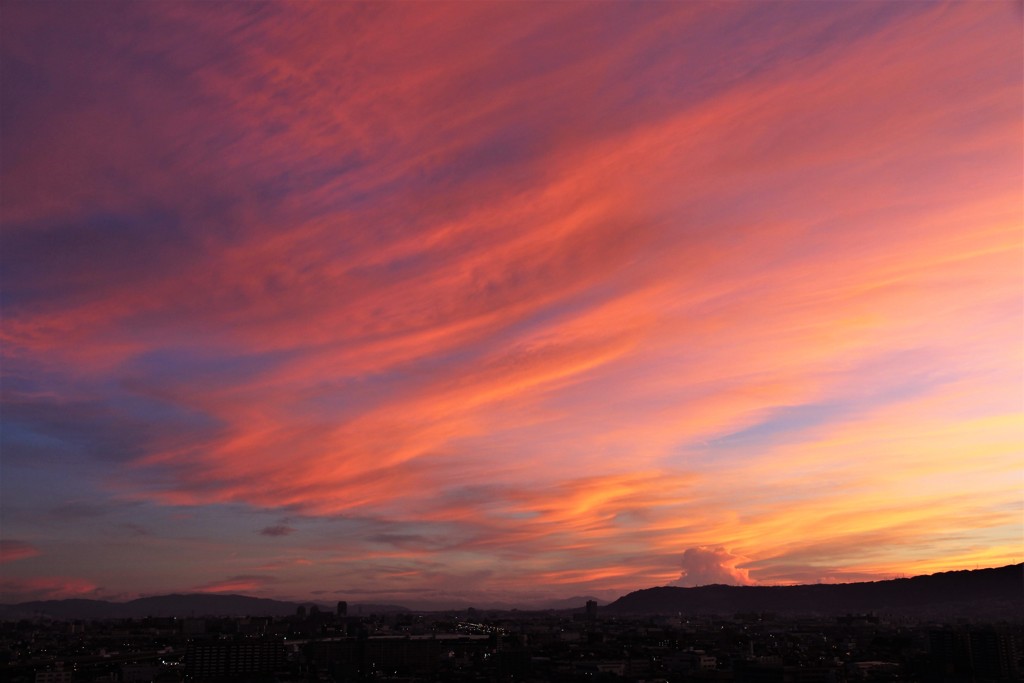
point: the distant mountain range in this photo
(993, 593)
(214, 605)
(193, 604)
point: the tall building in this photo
(984, 653)
(342, 608)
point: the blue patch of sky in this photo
(794, 423)
(47, 260)
(74, 431)
(32, 449)
(31, 488)
(783, 421)
(85, 442)
(198, 365)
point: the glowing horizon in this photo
(454, 303)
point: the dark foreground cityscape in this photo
(960, 627)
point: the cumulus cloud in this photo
(279, 530)
(704, 565)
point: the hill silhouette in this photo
(997, 592)
(990, 593)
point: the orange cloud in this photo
(575, 311)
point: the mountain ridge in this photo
(991, 592)
(173, 605)
(996, 592)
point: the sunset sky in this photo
(456, 304)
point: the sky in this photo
(461, 304)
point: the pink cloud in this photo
(452, 281)
(45, 588)
(11, 550)
(703, 566)
(237, 584)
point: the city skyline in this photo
(501, 302)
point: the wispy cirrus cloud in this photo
(512, 300)
(242, 583)
(45, 588)
(12, 550)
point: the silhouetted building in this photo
(993, 655)
(218, 659)
(193, 627)
(56, 676)
(342, 608)
(420, 655)
(985, 654)
(138, 673)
